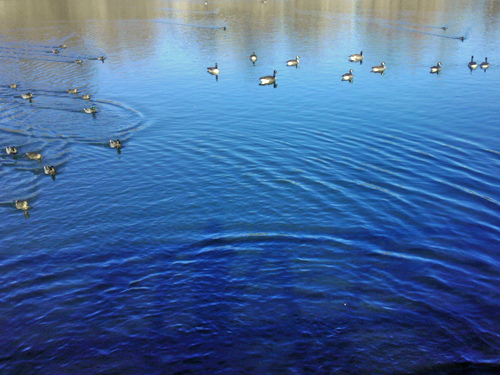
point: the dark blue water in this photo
(314, 227)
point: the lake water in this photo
(316, 226)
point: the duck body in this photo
(79, 61)
(90, 110)
(348, 76)
(34, 155)
(49, 169)
(379, 68)
(293, 62)
(267, 80)
(436, 68)
(115, 143)
(485, 64)
(356, 57)
(253, 57)
(13, 85)
(63, 46)
(72, 91)
(101, 58)
(22, 205)
(472, 64)
(213, 69)
(86, 96)
(28, 95)
(11, 150)
(55, 50)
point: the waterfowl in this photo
(101, 58)
(55, 50)
(444, 28)
(90, 110)
(78, 61)
(63, 46)
(29, 95)
(485, 65)
(72, 91)
(436, 68)
(49, 169)
(86, 96)
(213, 69)
(13, 86)
(462, 38)
(206, 2)
(379, 68)
(34, 155)
(348, 76)
(253, 57)
(293, 62)
(11, 150)
(267, 80)
(22, 205)
(356, 57)
(115, 143)
(472, 64)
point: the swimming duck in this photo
(49, 169)
(356, 57)
(348, 76)
(34, 155)
(253, 57)
(101, 58)
(22, 205)
(213, 69)
(206, 2)
(86, 96)
(72, 91)
(436, 68)
(13, 86)
(29, 95)
(379, 68)
(90, 110)
(267, 80)
(11, 150)
(444, 28)
(63, 46)
(78, 61)
(485, 65)
(293, 62)
(462, 38)
(115, 143)
(55, 50)
(472, 64)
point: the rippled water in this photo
(317, 226)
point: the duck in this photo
(86, 96)
(348, 76)
(379, 68)
(462, 38)
(213, 69)
(22, 205)
(55, 50)
(79, 61)
(29, 95)
(34, 155)
(49, 169)
(485, 64)
(63, 46)
(11, 150)
(436, 68)
(267, 80)
(90, 110)
(293, 62)
(356, 57)
(72, 91)
(253, 57)
(13, 85)
(444, 28)
(472, 64)
(101, 58)
(206, 2)
(115, 143)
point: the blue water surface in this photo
(315, 226)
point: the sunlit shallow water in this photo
(317, 226)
